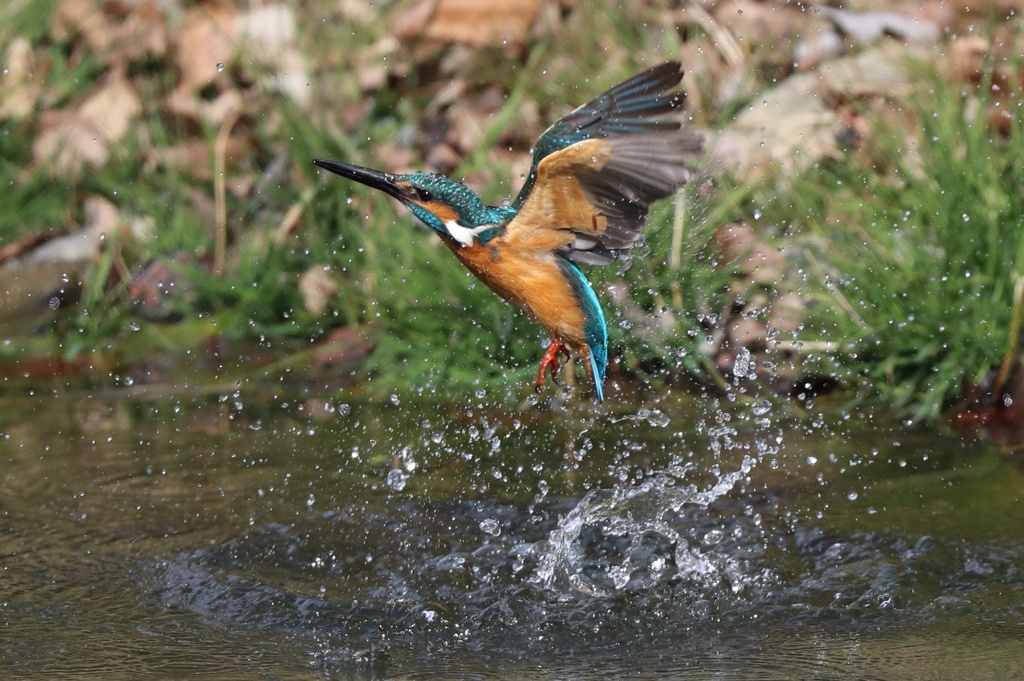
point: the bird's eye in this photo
(421, 195)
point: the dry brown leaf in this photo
(26, 244)
(266, 32)
(20, 87)
(84, 17)
(411, 23)
(203, 44)
(968, 56)
(1002, 120)
(359, 12)
(467, 127)
(194, 156)
(115, 29)
(469, 21)
(218, 109)
(74, 140)
(102, 218)
(267, 35)
(69, 143)
(101, 215)
(317, 287)
(213, 35)
(786, 313)
(760, 263)
(758, 24)
(214, 111)
(819, 43)
(375, 64)
(113, 107)
(147, 29)
(393, 157)
(792, 125)
(734, 241)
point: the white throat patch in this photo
(464, 235)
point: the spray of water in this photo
(625, 538)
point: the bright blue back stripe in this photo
(595, 327)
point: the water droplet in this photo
(397, 479)
(220, 66)
(542, 491)
(490, 526)
(742, 366)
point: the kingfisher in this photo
(594, 175)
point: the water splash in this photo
(631, 537)
(623, 538)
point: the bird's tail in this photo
(598, 361)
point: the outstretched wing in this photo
(597, 171)
(639, 104)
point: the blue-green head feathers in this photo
(443, 204)
(431, 193)
(450, 207)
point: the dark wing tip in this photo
(671, 72)
(647, 102)
(660, 78)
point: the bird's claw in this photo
(550, 362)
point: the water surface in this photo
(284, 533)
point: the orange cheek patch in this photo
(443, 212)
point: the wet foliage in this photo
(157, 163)
(916, 252)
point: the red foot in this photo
(550, 361)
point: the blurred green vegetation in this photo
(432, 323)
(911, 252)
(916, 249)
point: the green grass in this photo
(917, 249)
(433, 324)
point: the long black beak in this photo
(368, 176)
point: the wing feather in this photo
(643, 103)
(597, 170)
(590, 200)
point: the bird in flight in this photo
(594, 176)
